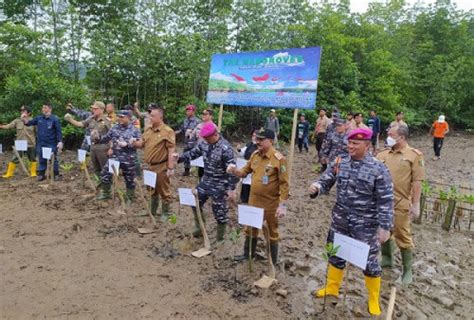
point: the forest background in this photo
(393, 57)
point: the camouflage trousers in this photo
(220, 208)
(360, 228)
(128, 171)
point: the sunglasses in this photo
(205, 113)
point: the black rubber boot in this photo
(186, 172)
(154, 203)
(197, 228)
(245, 255)
(274, 252)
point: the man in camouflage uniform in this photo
(22, 133)
(206, 117)
(335, 143)
(270, 190)
(406, 165)
(159, 144)
(122, 137)
(96, 122)
(216, 183)
(188, 126)
(363, 211)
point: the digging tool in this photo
(88, 177)
(267, 281)
(22, 164)
(152, 218)
(207, 245)
(391, 303)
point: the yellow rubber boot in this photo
(10, 170)
(373, 286)
(33, 168)
(333, 283)
(84, 164)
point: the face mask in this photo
(391, 141)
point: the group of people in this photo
(376, 196)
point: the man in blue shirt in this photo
(303, 131)
(374, 124)
(48, 135)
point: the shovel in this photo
(267, 281)
(152, 218)
(20, 159)
(207, 245)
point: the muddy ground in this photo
(65, 256)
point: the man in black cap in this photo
(270, 190)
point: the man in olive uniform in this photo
(270, 190)
(406, 166)
(159, 144)
(22, 133)
(98, 122)
(363, 211)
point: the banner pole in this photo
(219, 121)
(292, 145)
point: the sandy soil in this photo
(65, 256)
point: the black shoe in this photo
(41, 177)
(57, 177)
(245, 256)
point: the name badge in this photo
(265, 180)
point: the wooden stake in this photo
(292, 145)
(391, 303)
(22, 164)
(346, 284)
(51, 168)
(219, 120)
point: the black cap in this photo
(339, 121)
(210, 111)
(266, 134)
(125, 113)
(127, 107)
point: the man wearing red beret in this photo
(363, 211)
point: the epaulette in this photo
(278, 155)
(418, 152)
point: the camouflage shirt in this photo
(122, 133)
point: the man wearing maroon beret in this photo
(363, 211)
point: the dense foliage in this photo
(393, 57)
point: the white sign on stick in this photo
(199, 162)
(1, 148)
(186, 197)
(46, 153)
(351, 250)
(149, 178)
(250, 216)
(21, 145)
(88, 140)
(242, 151)
(81, 155)
(114, 163)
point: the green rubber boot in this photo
(129, 195)
(154, 203)
(387, 254)
(197, 228)
(104, 192)
(220, 232)
(407, 261)
(165, 211)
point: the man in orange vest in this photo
(438, 130)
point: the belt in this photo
(155, 163)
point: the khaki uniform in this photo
(269, 187)
(98, 150)
(406, 166)
(24, 133)
(157, 141)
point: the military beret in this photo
(360, 134)
(208, 129)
